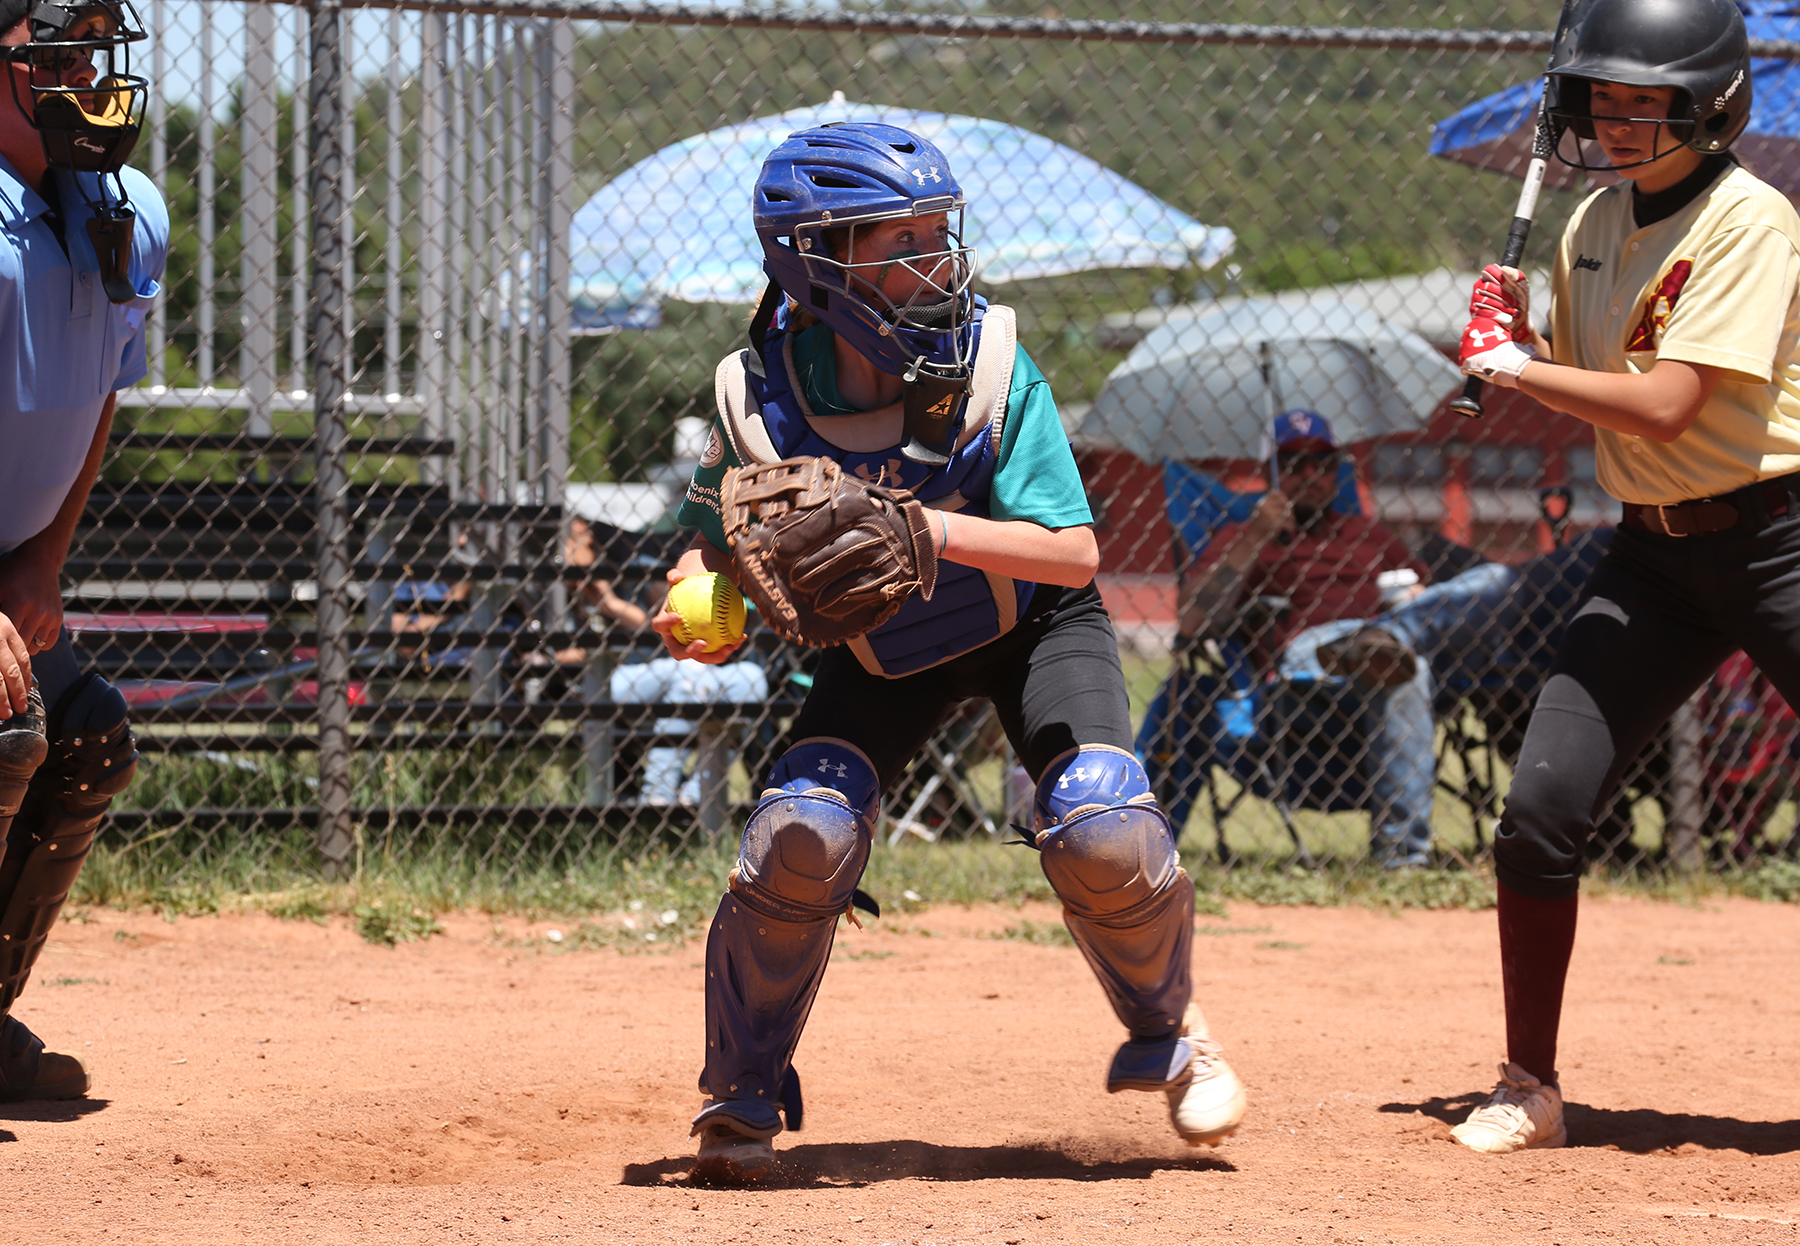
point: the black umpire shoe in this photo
(27, 1071)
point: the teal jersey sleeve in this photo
(700, 508)
(1036, 477)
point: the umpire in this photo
(82, 243)
(1675, 310)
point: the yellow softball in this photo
(711, 610)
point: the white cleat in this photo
(1521, 1113)
(1210, 1105)
(731, 1158)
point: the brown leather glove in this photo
(825, 556)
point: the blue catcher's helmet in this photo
(851, 173)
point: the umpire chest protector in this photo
(765, 415)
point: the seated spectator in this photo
(1323, 566)
(425, 605)
(657, 680)
(596, 597)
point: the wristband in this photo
(944, 521)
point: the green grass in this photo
(644, 893)
(1044, 934)
(389, 924)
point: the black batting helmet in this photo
(1698, 47)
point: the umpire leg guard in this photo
(91, 758)
(1110, 854)
(803, 852)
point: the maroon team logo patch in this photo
(1659, 306)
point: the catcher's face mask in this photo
(914, 273)
(72, 77)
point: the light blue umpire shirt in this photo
(64, 347)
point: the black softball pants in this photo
(1054, 680)
(1658, 617)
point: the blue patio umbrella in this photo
(676, 225)
(1495, 133)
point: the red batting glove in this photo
(1501, 295)
(1489, 352)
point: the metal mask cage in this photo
(89, 127)
(936, 306)
(1580, 128)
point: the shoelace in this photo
(1208, 1055)
(1511, 1094)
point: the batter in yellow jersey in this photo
(1675, 332)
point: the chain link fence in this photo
(373, 546)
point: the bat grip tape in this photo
(1516, 237)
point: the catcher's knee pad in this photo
(803, 851)
(806, 844)
(1110, 854)
(1107, 847)
(90, 757)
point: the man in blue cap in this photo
(82, 245)
(1310, 551)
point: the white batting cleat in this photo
(1522, 1113)
(1210, 1105)
(730, 1157)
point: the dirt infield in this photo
(270, 1081)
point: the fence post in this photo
(1682, 834)
(257, 219)
(331, 372)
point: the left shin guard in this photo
(1110, 854)
(804, 849)
(91, 758)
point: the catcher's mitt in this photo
(825, 556)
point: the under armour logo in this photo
(1479, 337)
(880, 476)
(1080, 772)
(838, 768)
(930, 174)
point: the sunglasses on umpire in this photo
(1307, 461)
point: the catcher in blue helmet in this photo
(883, 441)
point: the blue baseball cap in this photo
(1292, 429)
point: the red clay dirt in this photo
(268, 1081)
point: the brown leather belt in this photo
(1706, 515)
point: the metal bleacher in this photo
(199, 597)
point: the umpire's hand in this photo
(30, 619)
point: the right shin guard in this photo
(91, 758)
(1109, 852)
(803, 851)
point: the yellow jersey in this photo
(1717, 283)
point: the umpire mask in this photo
(87, 106)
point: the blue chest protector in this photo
(766, 417)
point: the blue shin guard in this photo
(1110, 854)
(804, 848)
